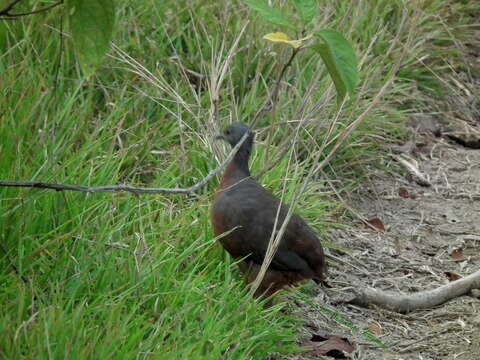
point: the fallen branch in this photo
(424, 299)
(128, 188)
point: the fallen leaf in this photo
(330, 345)
(376, 224)
(452, 276)
(403, 192)
(457, 255)
(376, 329)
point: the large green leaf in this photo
(275, 16)
(307, 9)
(339, 57)
(91, 24)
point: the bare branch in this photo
(276, 90)
(6, 11)
(424, 299)
(127, 188)
(9, 16)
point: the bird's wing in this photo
(254, 213)
(303, 240)
(260, 229)
(283, 260)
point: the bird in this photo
(243, 218)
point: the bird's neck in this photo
(238, 167)
(240, 161)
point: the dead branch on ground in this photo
(403, 303)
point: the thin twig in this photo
(6, 11)
(273, 99)
(151, 191)
(8, 16)
(276, 90)
(128, 188)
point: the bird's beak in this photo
(219, 137)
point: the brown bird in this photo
(248, 210)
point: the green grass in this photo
(119, 276)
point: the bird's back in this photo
(252, 211)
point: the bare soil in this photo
(431, 237)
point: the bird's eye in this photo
(227, 132)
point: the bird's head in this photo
(234, 133)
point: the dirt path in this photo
(432, 235)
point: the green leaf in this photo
(307, 9)
(339, 57)
(91, 23)
(275, 16)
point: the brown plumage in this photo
(242, 203)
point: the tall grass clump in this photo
(118, 276)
